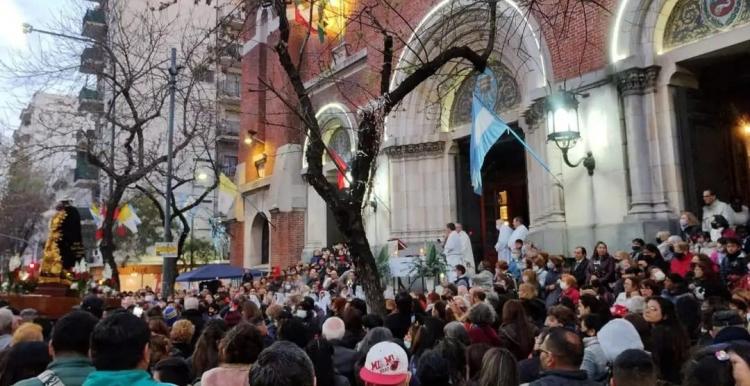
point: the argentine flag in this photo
(486, 126)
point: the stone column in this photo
(637, 87)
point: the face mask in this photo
(678, 255)
(407, 344)
(683, 222)
(658, 241)
(636, 248)
(550, 265)
(563, 285)
(301, 314)
(288, 287)
(659, 276)
(671, 249)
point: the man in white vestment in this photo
(453, 251)
(503, 251)
(519, 232)
(468, 252)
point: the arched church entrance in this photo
(504, 176)
(260, 240)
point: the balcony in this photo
(90, 100)
(230, 56)
(92, 61)
(228, 131)
(94, 24)
(84, 169)
(229, 91)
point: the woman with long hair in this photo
(238, 350)
(670, 342)
(601, 267)
(517, 331)
(206, 354)
(499, 368)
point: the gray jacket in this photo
(594, 360)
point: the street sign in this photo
(166, 249)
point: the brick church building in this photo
(661, 99)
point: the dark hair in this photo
(593, 322)
(359, 304)
(24, 360)
(733, 240)
(157, 326)
(174, 370)
(320, 353)
(117, 342)
(474, 355)
(433, 369)
(403, 303)
(294, 330)
(519, 218)
(499, 368)
(72, 333)
(634, 367)
(282, 364)
(451, 226)
(206, 353)
(563, 314)
(583, 249)
(461, 268)
(596, 305)
(639, 241)
(370, 321)
(670, 341)
(453, 351)
(705, 369)
(598, 243)
(241, 344)
(642, 327)
(565, 345)
(514, 314)
(352, 319)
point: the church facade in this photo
(660, 107)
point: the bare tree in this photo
(127, 87)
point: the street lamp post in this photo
(170, 262)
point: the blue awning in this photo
(211, 272)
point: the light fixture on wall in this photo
(260, 165)
(562, 127)
(250, 138)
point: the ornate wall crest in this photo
(508, 95)
(692, 20)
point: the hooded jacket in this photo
(617, 336)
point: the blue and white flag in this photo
(487, 128)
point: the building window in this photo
(203, 74)
(231, 85)
(229, 165)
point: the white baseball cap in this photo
(386, 364)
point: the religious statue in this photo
(64, 246)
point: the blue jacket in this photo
(121, 378)
(71, 370)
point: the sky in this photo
(13, 13)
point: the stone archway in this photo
(260, 240)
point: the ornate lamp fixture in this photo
(562, 127)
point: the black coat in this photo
(579, 271)
(564, 378)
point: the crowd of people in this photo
(674, 311)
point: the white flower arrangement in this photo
(107, 273)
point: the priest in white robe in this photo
(467, 251)
(453, 251)
(519, 232)
(502, 248)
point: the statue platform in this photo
(49, 305)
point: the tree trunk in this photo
(351, 225)
(107, 246)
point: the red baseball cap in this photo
(386, 364)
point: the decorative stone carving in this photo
(693, 20)
(415, 149)
(508, 95)
(638, 81)
(534, 115)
